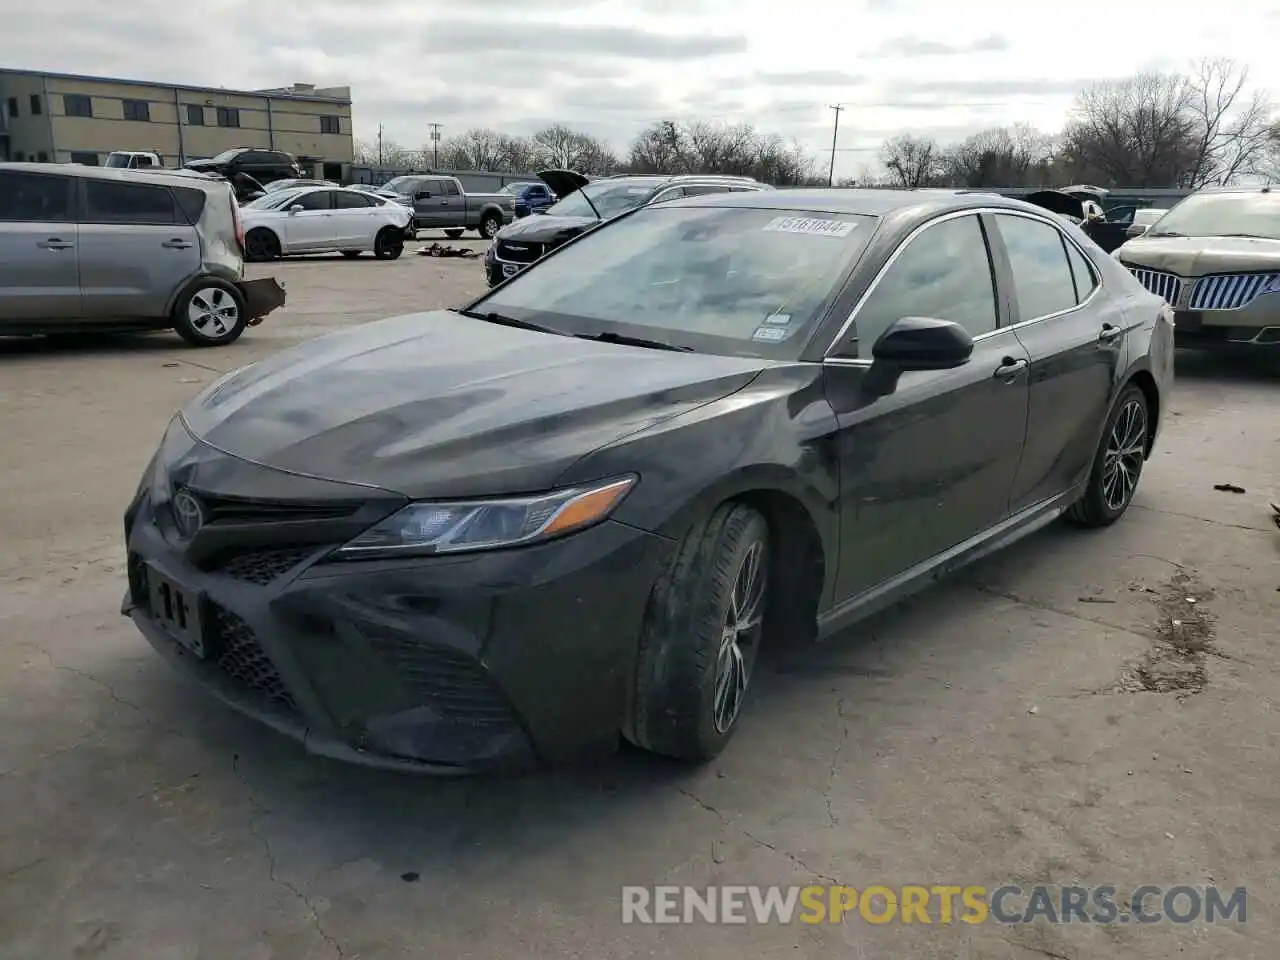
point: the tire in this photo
(453, 233)
(1117, 465)
(688, 650)
(388, 244)
(210, 313)
(261, 245)
(351, 254)
(490, 224)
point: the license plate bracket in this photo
(510, 269)
(179, 612)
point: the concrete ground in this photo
(1037, 720)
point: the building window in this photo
(329, 125)
(195, 115)
(77, 105)
(13, 106)
(88, 159)
(37, 107)
(228, 117)
(137, 110)
(19, 156)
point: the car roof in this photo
(170, 178)
(1242, 191)
(858, 201)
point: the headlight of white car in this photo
(468, 525)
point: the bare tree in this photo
(387, 154)
(1138, 132)
(911, 161)
(739, 149)
(477, 149)
(1002, 156)
(1231, 129)
(561, 147)
(659, 148)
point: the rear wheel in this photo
(210, 313)
(701, 635)
(388, 244)
(1117, 466)
(261, 245)
(490, 225)
(453, 233)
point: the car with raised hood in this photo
(584, 204)
(1215, 257)
(106, 249)
(323, 220)
(573, 510)
(1083, 206)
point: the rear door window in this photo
(1083, 272)
(26, 197)
(108, 201)
(315, 200)
(1042, 277)
(353, 201)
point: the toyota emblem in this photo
(188, 513)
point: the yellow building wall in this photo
(28, 134)
(271, 122)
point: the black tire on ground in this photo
(683, 649)
(388, 244)
(260, 245)
(210, 313)
(1117, 464)
(490, 225)
(351, 254)
(453, 233)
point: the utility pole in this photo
(835, 133)
(435, 145)
(380, 145)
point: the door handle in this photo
(54, 243)
(444, 203)
(1010, 368)
(1110, 333)
(176, 244)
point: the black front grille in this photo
(451, 683)
(239, 510)
(518, 252)
(260, 567)
(241, 657)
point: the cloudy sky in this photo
(612, 66)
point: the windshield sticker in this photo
(814, 226)
(780, 319)
(770, 334)
(636, 191)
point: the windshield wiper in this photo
(610, 337)
(1164, 233)
(1247, 236)
(504, 321)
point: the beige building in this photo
(61, 118)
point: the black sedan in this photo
(575, 509)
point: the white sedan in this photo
(323, 219)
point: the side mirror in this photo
(296, 208)
(923, 343)
(1138, 229)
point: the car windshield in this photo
(611, 197)
(515, 189)
(118, 160)
(226, 156)
(1222, 215)
(400, 185)
(273, 201)
(727, 280)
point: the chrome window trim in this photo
(955, 215)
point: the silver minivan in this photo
(93, 248)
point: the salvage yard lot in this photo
(1039, 719)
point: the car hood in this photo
(439, 405)
(1198, 256)
(544, 229)
(563, 182)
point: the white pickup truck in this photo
(133, 160)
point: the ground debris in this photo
(1175, 663)
(1228, 488)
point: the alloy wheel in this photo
(213, 312)
(738, 638)
(1122, 459)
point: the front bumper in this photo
(442, 665)
(1222, 328)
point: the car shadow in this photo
(89, 343)
(1239, 367)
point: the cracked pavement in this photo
(984, 732)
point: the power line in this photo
(435, 144)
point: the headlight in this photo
(461, 526)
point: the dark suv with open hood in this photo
(585, 204)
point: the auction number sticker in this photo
(770, 334)
(814, 226)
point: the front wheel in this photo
(261, 245)
(1117, 465)
(388, 244)
(701, 635)
(490, 225)
(210, 313)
